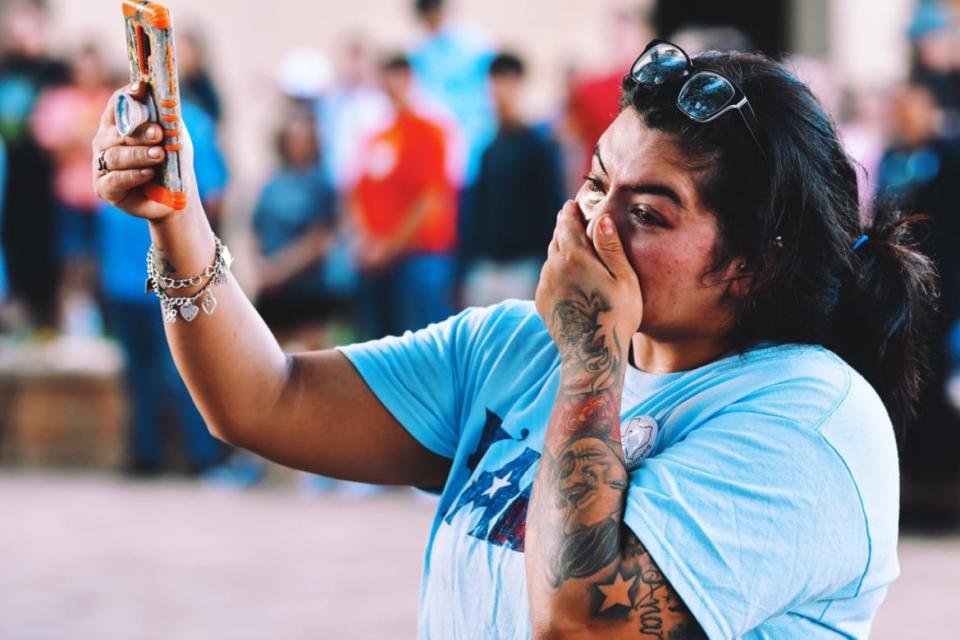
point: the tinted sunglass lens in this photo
(663, 63)
(704, 95)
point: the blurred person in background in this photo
(517, 194)
(350, 112)
(193, 69)
(156, 394)
(451, 65)
(64, 120)
(934, 59)
(198, 89)
(29, 232)
(294, 224)
(593, 100)
(405, 212)
(921, 171)
(3, 259)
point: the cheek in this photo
(668, 271)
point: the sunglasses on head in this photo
(704, 95)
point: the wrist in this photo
(184, 242)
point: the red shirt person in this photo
(404, 208)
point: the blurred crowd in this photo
(407, 185)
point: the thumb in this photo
(607, 243)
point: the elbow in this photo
(223, 432)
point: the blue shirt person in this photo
(768, 495)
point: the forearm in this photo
(231, 363)
(574, 525)
(587, 574)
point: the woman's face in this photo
(638, 178)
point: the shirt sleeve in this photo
(749, 516)
(420, 377)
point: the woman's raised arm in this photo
(311, 411)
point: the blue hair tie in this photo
(859, 242)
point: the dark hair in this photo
(507, 63)
(395, 62)
(793, 217)
(423, 7)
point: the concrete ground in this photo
(88, 556)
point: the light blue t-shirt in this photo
(768, 499)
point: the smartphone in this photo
(151, 53)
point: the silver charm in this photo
(227, 257)
(220, 278)
(170, 314)
(209, 303)
(189, 311)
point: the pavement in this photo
(91, 556)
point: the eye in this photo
(645, 216)
(594, 188)
(594, 184)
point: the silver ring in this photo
(102, 162)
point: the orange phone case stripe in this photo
(176, 200)
(171, 133)
(172, 147)
(156, 15)
(169, 104)
(130, 8)
(169, 118)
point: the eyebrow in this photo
(650, 188)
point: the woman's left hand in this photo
(588, 288)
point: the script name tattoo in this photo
(581, 484)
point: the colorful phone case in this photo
(150, 50)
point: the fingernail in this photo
(146, 172)
(155, 152)
(606, 225)
(153, 132)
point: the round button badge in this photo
(637, 437)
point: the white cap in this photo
(304, 74)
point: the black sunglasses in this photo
(704, 95)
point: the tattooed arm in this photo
(587, 574)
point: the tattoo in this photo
(167, 268)
(576, 513)
(589, 364)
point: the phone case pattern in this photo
(150, 50)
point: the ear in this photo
(740, 278)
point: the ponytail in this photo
(887, 312)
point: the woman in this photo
(712, 294)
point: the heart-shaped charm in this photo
(189, 311)
(209, 303)
(169, 315)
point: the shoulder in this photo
(807, 383)
(509, 322)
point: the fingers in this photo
(115, 185)
(124, 158)
(609, 249)
(570, 232)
